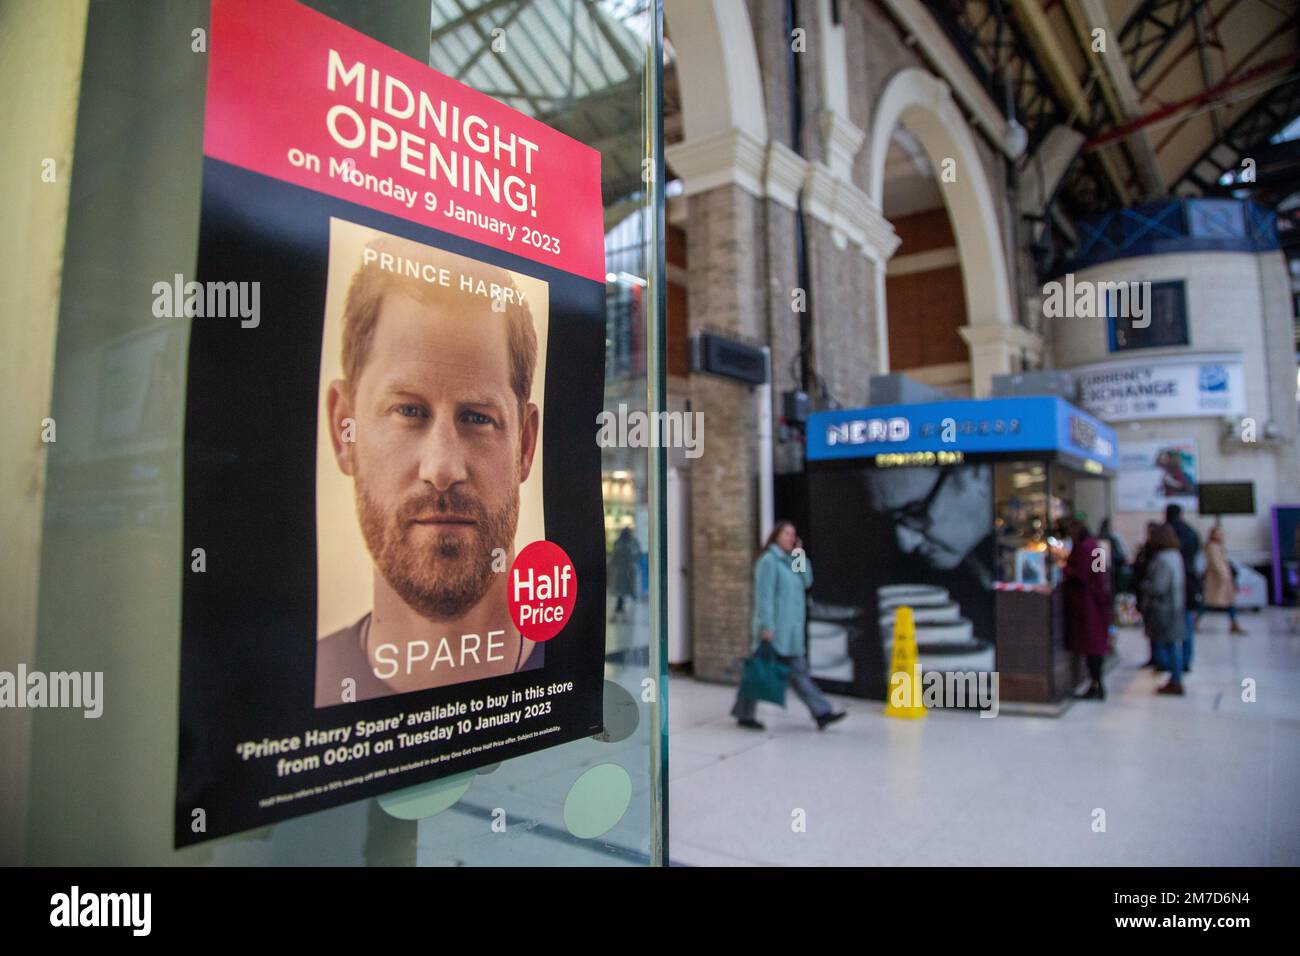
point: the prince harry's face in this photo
(442, 444)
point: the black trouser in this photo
(1094, 667)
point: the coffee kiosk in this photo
(955, 508)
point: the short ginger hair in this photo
(370, 283)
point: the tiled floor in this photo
(1204, 780)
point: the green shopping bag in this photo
(765, 677)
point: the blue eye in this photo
(410, 411)
(478, 418)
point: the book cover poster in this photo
(394, 561)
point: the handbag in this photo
(764, 677)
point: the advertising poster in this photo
(394, 555)
(1154, 474)
(915, 536)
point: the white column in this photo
(995, 349)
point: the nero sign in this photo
(403, 573)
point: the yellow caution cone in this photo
(903, 695)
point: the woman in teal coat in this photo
(782, 576)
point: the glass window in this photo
(1164, 322)
(1020, 523)
(102, 791)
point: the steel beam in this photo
(1126, 96)
(1151, 28)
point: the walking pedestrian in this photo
(1220, 588)
(1163, 596)
(782, 577)
(624, 563)
(1087, 606)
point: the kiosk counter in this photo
(956, 509)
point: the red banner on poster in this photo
(295, 95)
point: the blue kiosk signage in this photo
(943, 433)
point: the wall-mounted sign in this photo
(862, 431)
(393, 529)
(1154, 474)
(728, 358)
(1180, 386)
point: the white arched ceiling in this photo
(923, 103)
(717, 68)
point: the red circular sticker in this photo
(543, 589)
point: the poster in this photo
(394, 556)
(916, 536)
(1154, 474)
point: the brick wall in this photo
(923, 231)
(727, 293)
(925, 309)
(844, 345)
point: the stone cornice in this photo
(785, 174)
(1002, 334)
(927, 261)
(731, 158)
(850, 213)
(842, 140)
(775, 171)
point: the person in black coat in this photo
(1140, 564)
(1189, 545)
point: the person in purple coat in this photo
(1087, 605)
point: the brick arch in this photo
(923, 103)
(717, 68)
